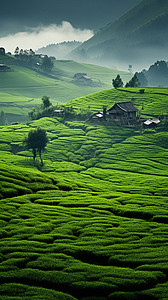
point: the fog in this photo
(43, 35)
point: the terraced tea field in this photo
(22, 88)
(152, 102)
(93, 222)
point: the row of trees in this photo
(118, 83)
(156, 75)
(30, 59)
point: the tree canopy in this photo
(37, 140)
(117, 82)
(134, 82)
(47, 64)
(46, 101)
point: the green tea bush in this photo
(160, 219)
(20, 291)
(93, 221)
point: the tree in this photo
(47, 64)
(130, 69)
(37, 140)
(117, 82)
(104, 112)
(2, 118)
(134, 82)
(31, 52)
(142, 78)
(2, 51)
(46, 101)
(16, 52)
(158, 73)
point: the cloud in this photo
(42, 36)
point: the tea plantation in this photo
(92, 223)
(22, 88)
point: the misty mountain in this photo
(59, 50)
(155, 76)
(139, 37)
(22, 15)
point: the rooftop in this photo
(124, 106)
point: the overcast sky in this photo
(38, 16)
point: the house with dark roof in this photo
(4, 68)
(124, 113)
(82, 78)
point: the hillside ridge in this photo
(131, 38)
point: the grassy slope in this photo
(135, 20)
(138, 37)
(26, 86)
(94, 222)
(152, 102)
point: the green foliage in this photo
(94, 221)
(117, 82)
(20, 291)
(134, 82)
(155, 76)
(23, 88)
(46, 101)
(37, 141)
(47, 64)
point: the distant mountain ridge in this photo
(138, 37)
(59, 50)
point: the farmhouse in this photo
(58, 112)
(124, 113)
(82, 78)
(4, 68)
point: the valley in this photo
(22, 88)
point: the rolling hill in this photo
(92, 223)
(22, 88)
(139, 37)
(59, 50)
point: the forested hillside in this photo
(138, 37)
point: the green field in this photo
(92, 223)
(24, 87)
(152, 102)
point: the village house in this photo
(124, 113)
(58, 112)
(98, 115)
(121, 113)
(4, 68)
(82, 78)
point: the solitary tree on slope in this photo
(37, 141)
(117, 82)
(46, 101)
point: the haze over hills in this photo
(138, 37)
(59, 50)
(21, 87)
